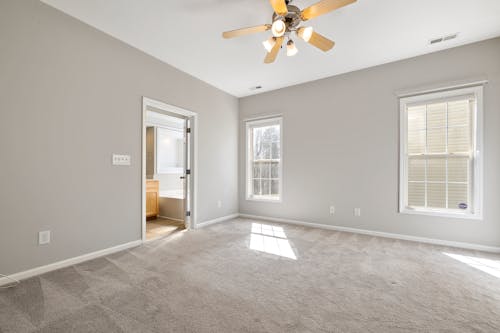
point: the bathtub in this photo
(172, 204)
(173, 194)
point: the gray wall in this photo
(70, 96)
(341, 146)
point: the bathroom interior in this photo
(165, 174)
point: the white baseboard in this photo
(217, 220)
(68, 262)
(462, 245)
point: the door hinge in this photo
(188, 130)
(188, 213)
(188, 171)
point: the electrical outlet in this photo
(219, 204)
(357, 211)
(332, 210)
(44, 237)
(121, 159)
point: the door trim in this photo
(154, 105)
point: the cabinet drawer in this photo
(152, 186)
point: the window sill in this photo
(440, 213)
(257, 199)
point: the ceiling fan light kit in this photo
(305, 33)
(286, 20)
(269, 44)
(278, 28)
(291, 49)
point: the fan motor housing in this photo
(292, 19)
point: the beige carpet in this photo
(254, 276)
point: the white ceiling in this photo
(187, 35)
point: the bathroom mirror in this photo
(169, 151)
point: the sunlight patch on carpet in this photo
(489, 266)
(271, 239)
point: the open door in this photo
(187, 175)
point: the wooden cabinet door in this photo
(151, 204)
(152, 198)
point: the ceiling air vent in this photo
(449, 37)
(442, 39)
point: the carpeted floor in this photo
(254, 276)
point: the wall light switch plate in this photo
(121, 159)
(332, 210)
(219, 204)
(357, 211)
(44, 237)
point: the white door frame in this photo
(147, 104)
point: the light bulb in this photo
(269, 44)
(305, 33)
(279, 28)
(291, 49)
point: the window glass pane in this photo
(257, 135)
(275, 187)
(256, 170)
(457, 196)
(436, 195)
(266, 187)
(266, 150)
(436, 169)
(458, 113)
(459, 140)
(416, 118)
(276, 150)
(256, 187)
(458, 169)
(436, 115)
(416, 194)
(265, 170)
(416, 142)
(275, 170)
(436, 140)
(271, 133)
(416, 169)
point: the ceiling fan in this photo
(287, 19)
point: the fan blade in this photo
(323, 7)
(279, 6)
(271, 56)
(246, 31)
(320, 41)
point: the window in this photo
(264, 181)
(440, 153)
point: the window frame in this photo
(250, 124)
(476, 173)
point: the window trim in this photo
(478, 148)
(248, 150)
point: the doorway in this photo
(168, 177)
